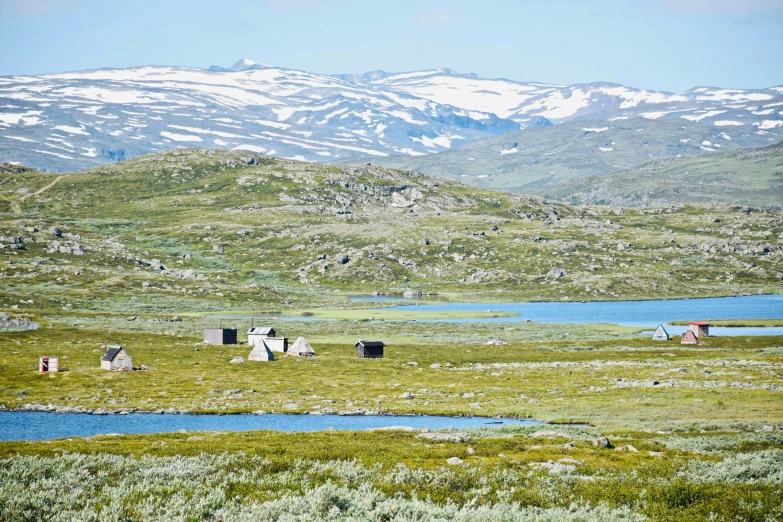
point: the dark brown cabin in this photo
(369, 349)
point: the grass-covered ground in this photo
(561, 373)
(151, 251)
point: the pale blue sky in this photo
(656, 44)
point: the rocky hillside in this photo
(197, 229)
(547, 161)
(745, 175)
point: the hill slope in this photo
(198, 230)
(535, 160)
(749, 176)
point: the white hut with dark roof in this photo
(116, 358)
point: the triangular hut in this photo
(301, 348)
(660, 334)
(689, 338)
(261, 352)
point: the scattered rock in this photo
(454, 461)
(602, 442)
(496, 342)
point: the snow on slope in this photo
(125, 112)
(118, 113)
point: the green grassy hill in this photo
(195, 230)
(745, 175)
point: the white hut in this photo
(261, 352)
(116, 358)
(301, 348)
(258, 334)
(660, 334)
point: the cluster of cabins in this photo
(266, 343)
(696, 330)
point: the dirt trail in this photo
(15, 204)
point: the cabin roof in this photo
(111, 353)
(371, 344)
(261, 331)
(700, 323)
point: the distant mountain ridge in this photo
(70, 121)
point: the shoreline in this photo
(76, 410)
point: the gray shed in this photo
(220, 335)
(116, 358)
(369, 349)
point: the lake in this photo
(24, 425)
(631, 313)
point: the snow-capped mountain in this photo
(74, 120)
(522, 101)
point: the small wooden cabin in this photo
(689, 338)
(369, 349)
(660, 334)
(47, 364)
(699, 328)
(220, 335)
(116, 358)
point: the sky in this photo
(669, 45)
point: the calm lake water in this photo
(40, 426)
(631, 313)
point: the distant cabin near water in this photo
(369, 349)
(699, 328)
(220, 335)
(116, 358)
(689, 338)
(660, 334)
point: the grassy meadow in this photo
(149, 252)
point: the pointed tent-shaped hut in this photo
(689, 338)
(660, 334)
(301, 348)
(261, 352)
